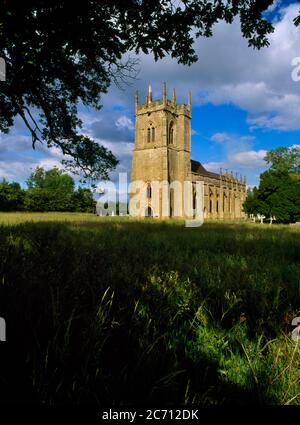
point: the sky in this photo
(244, 103)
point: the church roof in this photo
(199, 169)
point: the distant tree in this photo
(11, 196)
(284, 159)
(37, 199)
(278, 196)
(50, 190)
(83, 201)
(60, 53)
(253, 205)
(53, 179)
(53, 189)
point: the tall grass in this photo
(121, 311)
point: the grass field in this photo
(114, 310)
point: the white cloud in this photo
(124, 122)
(263, 86)
(219, 137)
(266, 107)
(249, 159)
(18, 159)
(231, 143)
(215, 166)
(274, 6)
(119, 149)
(13, 170)
(245, 163)
(250, 163)
(228, 71)
(239, 155)
(49, 163)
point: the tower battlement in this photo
(151, 105)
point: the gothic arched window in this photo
(149, 191)
(153, 134)
(171, 134)
(149, 135)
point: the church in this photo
(162, 154)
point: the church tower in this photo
(162, 144)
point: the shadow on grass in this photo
(156, 381)
(70, 295)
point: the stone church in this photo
(162, 153)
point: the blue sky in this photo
(244, 102)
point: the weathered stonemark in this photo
(162, 153)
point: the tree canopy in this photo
(278, 194)
(51, 190)
(284, 159)
(60, 53)
(11, 196)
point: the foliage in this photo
(82, 200)
(53, 179)
(11, 196)
(94, 159)
(253, 205)
(284, 159)
(68, 54)
(116, 311)
(278, 194)
(51, 190)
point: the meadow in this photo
(114, 311)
